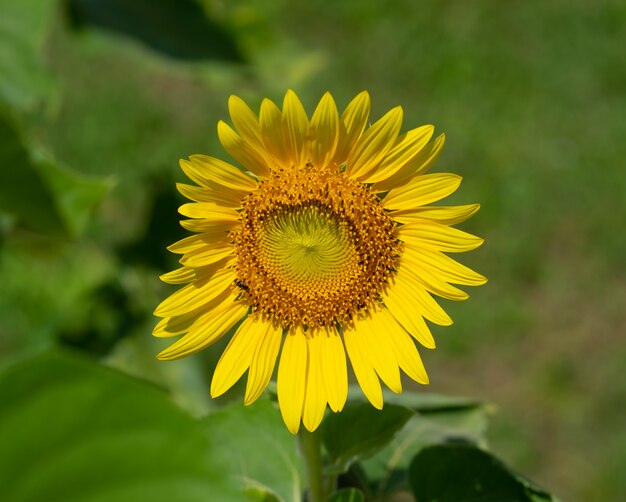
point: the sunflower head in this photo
(322, 243)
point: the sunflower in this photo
(323, 245)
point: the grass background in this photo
(532, 99)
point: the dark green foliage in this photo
(359, 431)
(71, 430)
(258, 450)
(21, 184)
(438, 419)
(347, 495)
(177, 28)
(41, 195)
(457, 472)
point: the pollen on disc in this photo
(314, 247)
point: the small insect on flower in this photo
(323, 245)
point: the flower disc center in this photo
(314, 247)
(304, 246)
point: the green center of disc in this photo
(307, 245)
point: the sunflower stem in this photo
(311, 447)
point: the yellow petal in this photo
(196, 294)
(186, 274)
(376, 348)
(422, 190)
(245, 120)
(438, 264)
(334, 369)
(207, 255)
(237, 356)
(248, 127)
(194, 242)
(202, 168)
(417, 165)
(247, 124)
(291, 381)
(439, 237)
(315, 394)
(273, 133)
(363, 370)
(206, 330)
(263, 362)
(221, 197)
(215, 224)
(432, 282)
(180, 324)
(409, 285)
(324, 130)
(252, 159)
(187, 244)
(434, 285)
(404, 348)
(407, 315)
(209, 227)
(406, 148)
(165, 328)
(295, 125)
(374, 144)
(353, 121)
(181, 275)
(446, 215)
(208, 211)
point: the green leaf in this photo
(45, 197)
(359, 431)
(23, 190)
(76, 195)
(347, 495)
(424, 402)
(257, 448)
(72, 430)
(24, 25)
(439, 419)
(454, 472)
(260, 494)
(177, 28)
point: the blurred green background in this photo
(99, 100)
